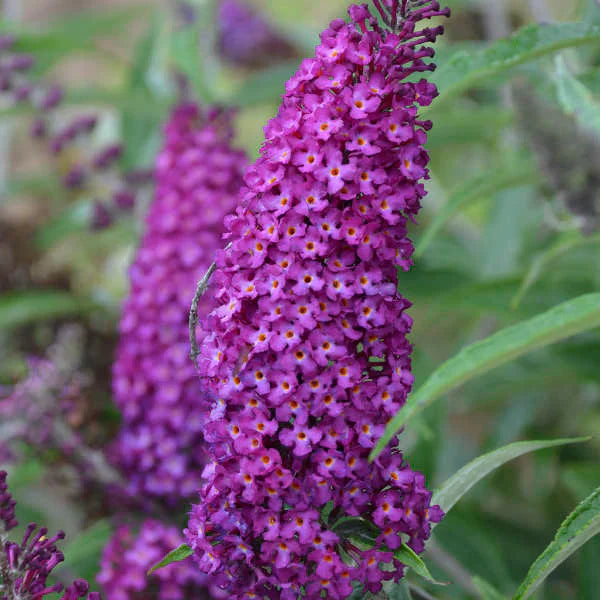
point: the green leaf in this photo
(364, 533)
(408, 557)
(359, 530)
(548, 258)
(464, 479)
(464, 70)
(581, 525)
(82, 554)
(177, 555)
(21, 308)
(562, 321)
(575, 98)
(481, 186)
(486, 589)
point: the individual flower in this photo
(129, 555)
(198, 175)
(26, 566)
(307, 356)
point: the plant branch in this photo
(193, 319)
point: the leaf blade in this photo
(465, 478)
(177, 555)
(463, 70)
(580, 525)
(562, 321)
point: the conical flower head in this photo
(307, 355)
(198, 175)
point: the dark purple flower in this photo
(124, 199)
(106, 157)
(25, 566)
(75, 177)
(307, 356)
(52, 98)
(198, 175)
(101, 217)
(7, 507)
(39, 127)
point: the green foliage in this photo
(579, 527)
(464, 479)
(496, 252)
(22, 308)
(565, 320)
(575, 98)
(481, 186)
(467, 69)
(180, 553)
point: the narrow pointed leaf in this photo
(546, 259)
(562, 321)
(180, 553)
(464, 70)
(464, 479)
(581, 525)
(575, 98)
(473, 190)
(411, 559)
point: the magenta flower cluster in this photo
(129, 555)
(307, 357)
(198, 175)
(26, 566)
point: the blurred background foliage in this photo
(509, 229)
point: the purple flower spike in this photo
(197, 175)
(128, 556)
(246, 39)
(25, 566)
(7, 507)
(306, 354)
